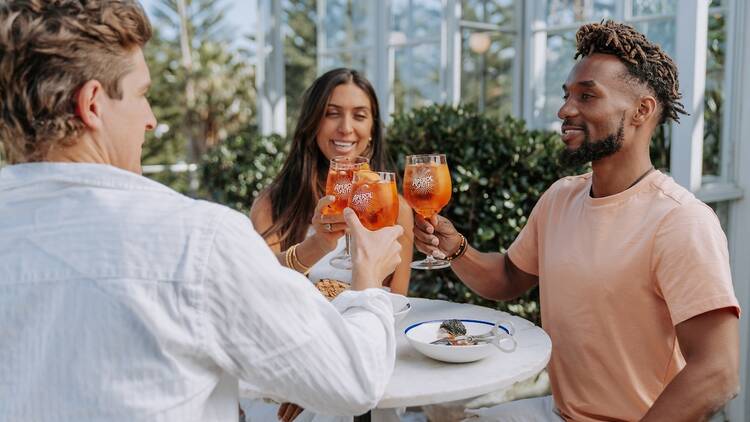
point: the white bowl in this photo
(401, 306)
(421, 334)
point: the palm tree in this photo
(203, 86)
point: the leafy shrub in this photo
(237, 170)
(499, 170)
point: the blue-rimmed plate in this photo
(421, 334)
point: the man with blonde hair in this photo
(122, 300)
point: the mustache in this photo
(568, 122)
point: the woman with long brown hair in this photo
(340, 117)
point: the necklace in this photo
(650, 169)
(641, 177)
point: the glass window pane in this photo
(566, 12)
(487, 75)
(714, 97)
(345, 23)
(654, 7)
(353, 59)
(416, 18)
(661, 32)
(417, 76)
(497, 12)
(558, 63)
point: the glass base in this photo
(342, 262)
(430, 263)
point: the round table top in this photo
(419, 380)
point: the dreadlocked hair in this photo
(645, 61)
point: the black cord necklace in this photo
(591, 190)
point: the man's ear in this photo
(647, 109)
(89, 104)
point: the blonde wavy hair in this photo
(48, 50)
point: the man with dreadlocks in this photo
(633, 270)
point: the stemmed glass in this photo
(427, 189)
(375, 199)
(339, 184)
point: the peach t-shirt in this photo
(616, 274)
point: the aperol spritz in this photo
(427, 189)
(339, 184)
(374, 199)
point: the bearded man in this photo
(633, 271)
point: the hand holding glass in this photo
(339, 184)
(427, 189)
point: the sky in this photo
(241, 15)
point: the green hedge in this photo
(234, 172)
(499, 170)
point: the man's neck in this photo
(618, 172)
(83, 150)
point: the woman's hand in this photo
(288, 412)
(328, 228)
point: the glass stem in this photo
(347, 252)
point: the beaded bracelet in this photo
(462, 247)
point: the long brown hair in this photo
(301, 182)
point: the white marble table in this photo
(418, 380)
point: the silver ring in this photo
(328, 227)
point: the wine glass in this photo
(427, 189)
(374, 199)
(339, 184)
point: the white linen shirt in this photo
(122, 300)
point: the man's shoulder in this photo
(672, 191)
(678, 205)
(677, 198)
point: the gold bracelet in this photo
(462, 247)
(298, 265)
(288, 258)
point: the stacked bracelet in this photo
(460, 251)
(293, 262)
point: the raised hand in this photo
(375, 254)
(436, 236)
(328, 228)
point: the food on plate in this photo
(331, 288)
(450, 329)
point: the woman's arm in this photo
(313, 248)
(399, 280)
(262, 218)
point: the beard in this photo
(593, 150)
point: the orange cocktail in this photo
(339, 181)
(427, 189)
(375, 199)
